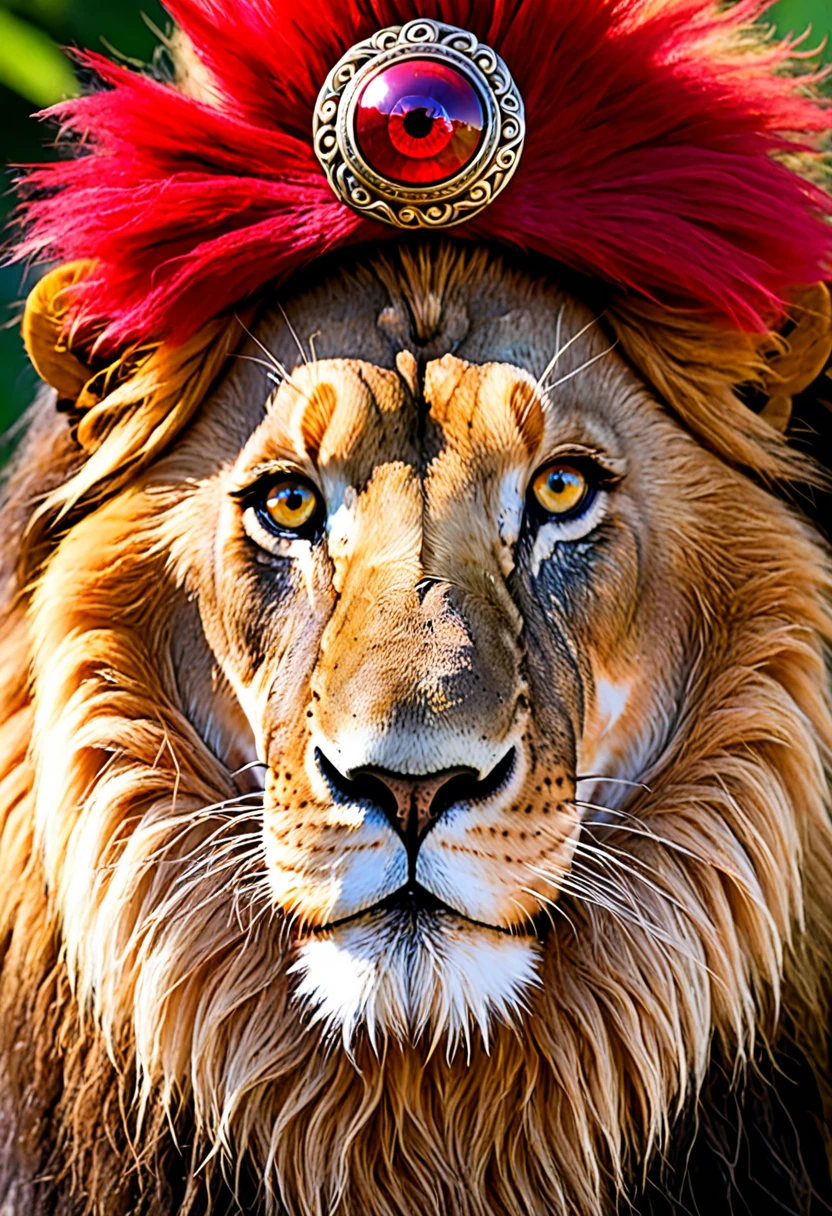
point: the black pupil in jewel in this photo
(418, 123)
(294, 500)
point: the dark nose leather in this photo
(413, 804)
(416, 802)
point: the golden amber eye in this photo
(288, 506)
(560, 489)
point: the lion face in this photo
(444, 596)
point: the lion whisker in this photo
(272, 376)
(611, 856)
(597, 806)
(656, 932)
(272, 358)
(225, 819)
(551, 905)
(184, 890)
(238, 772)
(547, 388)
(214, 891)
(561, 350)
(637, 827)
(158, 858)
(582, 881)
(647, 835)
(217, 861)
(301, 349)
(274, 362)
(595, 897)
(527, 916)
(567, 881)
(614, 780)
(223, 804)
(591, 893)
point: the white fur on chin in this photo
(402, 974)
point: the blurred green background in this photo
(34, 73)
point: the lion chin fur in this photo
(171, 1041)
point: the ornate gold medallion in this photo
(421, 125)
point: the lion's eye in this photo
(288, 507)
(561, 489)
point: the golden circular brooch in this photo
(420, 126)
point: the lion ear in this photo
(125, 412)
(803, 351)
(46, 338)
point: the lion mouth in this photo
(479, 851)
(416, 904)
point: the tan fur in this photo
(161, 911)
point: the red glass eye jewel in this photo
(419, 125)
(419, 122)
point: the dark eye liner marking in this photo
(263, 474)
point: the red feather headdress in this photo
(668, 152)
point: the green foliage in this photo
(30, 63)
(796, 16)
(34, 72)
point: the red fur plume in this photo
(653, 159)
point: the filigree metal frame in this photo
(421, 206)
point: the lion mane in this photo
(164, 1046)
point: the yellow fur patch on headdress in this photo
(130, 410)
(45, 335)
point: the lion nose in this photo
(413, 804)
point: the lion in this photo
(415, 769)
